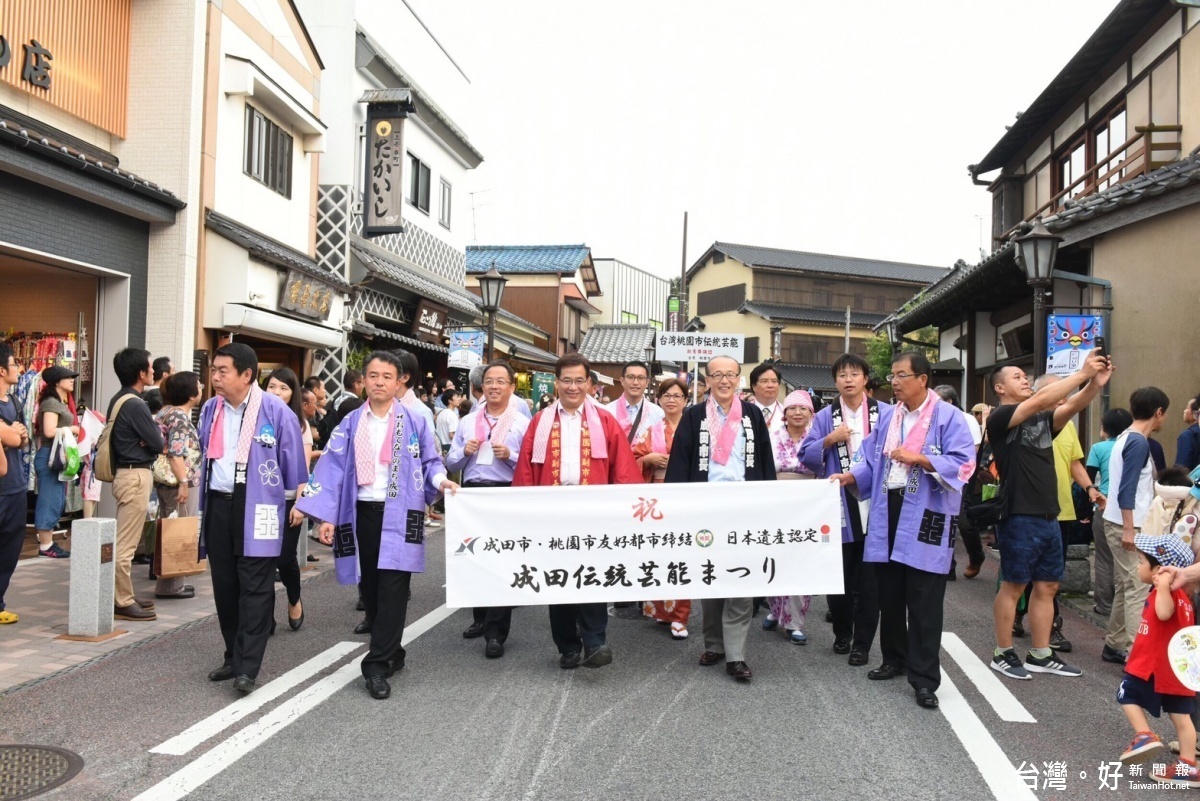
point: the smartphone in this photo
(1102, 350)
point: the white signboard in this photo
(523, 546)
(680, 346)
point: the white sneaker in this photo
(1010, 665)
(1051, 664)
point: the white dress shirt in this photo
(570, 437)
(898, 474)
(224, 469)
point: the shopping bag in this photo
(176, 546)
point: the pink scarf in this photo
(723, 437)
(591, 414)
(216, 433)
(658, 437)
(915, 441)
(409, 400)
(497, 432)
(364, 461)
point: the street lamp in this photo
(777, 342)
(491, 291)
(648, 358)
(889, 328)
(1036, 251)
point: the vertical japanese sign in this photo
(383, 187)
(628, 542)
(674, 322)
(543, 384)
(466, 349)
(1069, 341)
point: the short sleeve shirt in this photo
(53, 406)
(1025, 457)
(1066, 450)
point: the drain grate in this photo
(29, 770)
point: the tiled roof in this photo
(409, 276)
(564, 259)
(264, 248)
(614, 344)
(1165, 179)
(797, 314)
(372, 331)
(807, 376)
(507, 315)
(528, 353)
(804, 261)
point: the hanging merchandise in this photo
(84, 366)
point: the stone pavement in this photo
(29, 650)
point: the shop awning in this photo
(575, 299)
(368, 330)
(276, 327)
(271, 251)
(528, 353)
(398, 271)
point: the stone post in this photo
(92, 572)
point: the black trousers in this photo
(287, 564)
(495, 620)
(910, 612)
(384, 593)
(856, 613)
(574, 626)
(13, 510)
(243, 589)
(971, 539)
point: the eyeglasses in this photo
(768, 381)
(496, 382)
(675, 396)
(571, 382)
(900, 376)
(723, 376)
(635, 379)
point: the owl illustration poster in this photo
(1070, 339)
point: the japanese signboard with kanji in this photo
(683, 346)
(383, 187)
(635, 542)
(306, 295)
(429, 322)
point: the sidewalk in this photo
(39, 593)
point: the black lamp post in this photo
(889, 329)
(491, 291)
(1036, 251)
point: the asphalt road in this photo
(653, 725)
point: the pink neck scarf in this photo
(409, 399)
(541, 437)
(216, 434)
(497, 432)
(723, 437)
(364, 458)
(915, 440)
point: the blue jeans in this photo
(1031, 549)
(52, 493)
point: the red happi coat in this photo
(619, 468)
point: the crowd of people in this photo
(369, 464)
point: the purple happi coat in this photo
(827, 462)
(275, 465)
(332, 495)
(928, 522)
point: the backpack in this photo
(102, 464)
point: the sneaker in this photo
(769, 623)
(1010, 665)
(1057, 641)
(54, 552)
(1051, 664)
(799, 637)
(1174, 746)
(1145, 747)
(1181, 773)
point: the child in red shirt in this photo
(1150, 684)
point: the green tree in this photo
(879, 350)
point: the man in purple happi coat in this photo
(380, 468)
(253, 453)
(912, 468)
(829, 447)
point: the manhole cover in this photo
(29, 770)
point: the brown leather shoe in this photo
(972, 570)
(145, 603)
(134, 612)
(739, 670)
(708, 658)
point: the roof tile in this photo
(612, 344)
(564, 259)
(827, 263)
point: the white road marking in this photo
(1000, 774)
(216, 723)
(221, 756)
(986, 680)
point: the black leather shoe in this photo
(494, 649)
(360, 606)
(885, 672)
(596, 657)
(243, 684)
(857, 659)
(926, 698)
(841, 646)
(709, 658)
(296, 623)
(364, 627)
(1110, 654)
(378, 687)
(392, 667)
(739, 670)
(474, 630)
(829, 617)
(569, 661)
(223, 673)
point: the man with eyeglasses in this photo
(912, 467)
(575, 442)
(836, 434)
(13, 497)
(635, 413)
(485, 448)
(723, 439)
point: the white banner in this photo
(678, 346)
(522, 546)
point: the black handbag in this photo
(986, 514)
